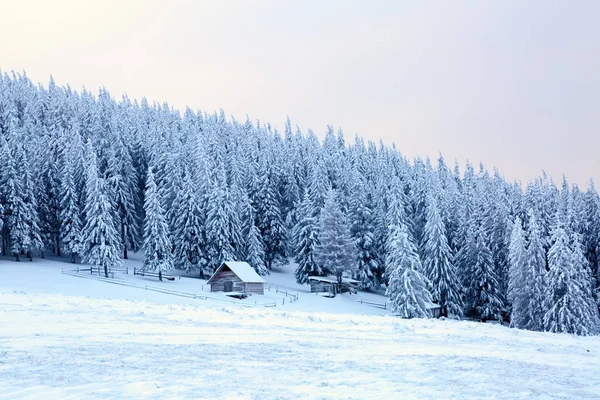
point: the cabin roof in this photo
(242, 270)
(331, 279)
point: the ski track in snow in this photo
(62, 338)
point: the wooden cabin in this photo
(236, 277)
(330, 284)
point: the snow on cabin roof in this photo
(243, 270)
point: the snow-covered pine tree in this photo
(395, 217)
(219, 213)
(33, 239)
(534, 291)
(517, 283)
(254, 253)
(269, 220)
(482, 298)
(408, 287)
(438, 267)
(190, 236)
(101, 240)
(360, 217)
(568, 309)
(306, 240)
(335, 250)
(157, 246)
(70, 226)
(122, 181)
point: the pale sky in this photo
(515, 84)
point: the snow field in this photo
(71, 338)
(72, 347)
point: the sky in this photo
(513, 84)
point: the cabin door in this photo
(229, 286)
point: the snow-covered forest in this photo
(96, 178)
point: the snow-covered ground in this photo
(72, 338)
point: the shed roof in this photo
(332, 279)
(243, 270)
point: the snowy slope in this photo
(71, 338)
(45, 276)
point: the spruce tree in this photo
(219, 241)
(407, 287)
(482, 292)
(189, 235)
(70, 227)
(361, 221)
(254, 253)
(335, 251)
(438, 267)
(157, 246)
(517, 284)
(568, 310)
(305, 241)
(101, 240)
(535, 276)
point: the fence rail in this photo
(370, 303)
(294, 297)
(190, 295)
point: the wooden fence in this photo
(370, 303)
(190, 295)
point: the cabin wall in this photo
(218, 282)
(318, 287)
(255, 288)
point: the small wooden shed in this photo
(236, 277)
(330, 284)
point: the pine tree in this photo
(189, 237)
(407, 287)
(482, 297)
(253, 247)
(219, 212)
(438, 267)
(361, 222)
(306, 240)
(101, 240)
(568, 310)
(121, 179)
(535, 276)
(517, 285)
(269, 220)
(157, 246)
(335, 251)
(70, 227)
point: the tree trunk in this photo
(106, 271)
(72, 257)
(160, 276)
(57, 245)
(125, 252)
(29, 255)
(17, 255)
